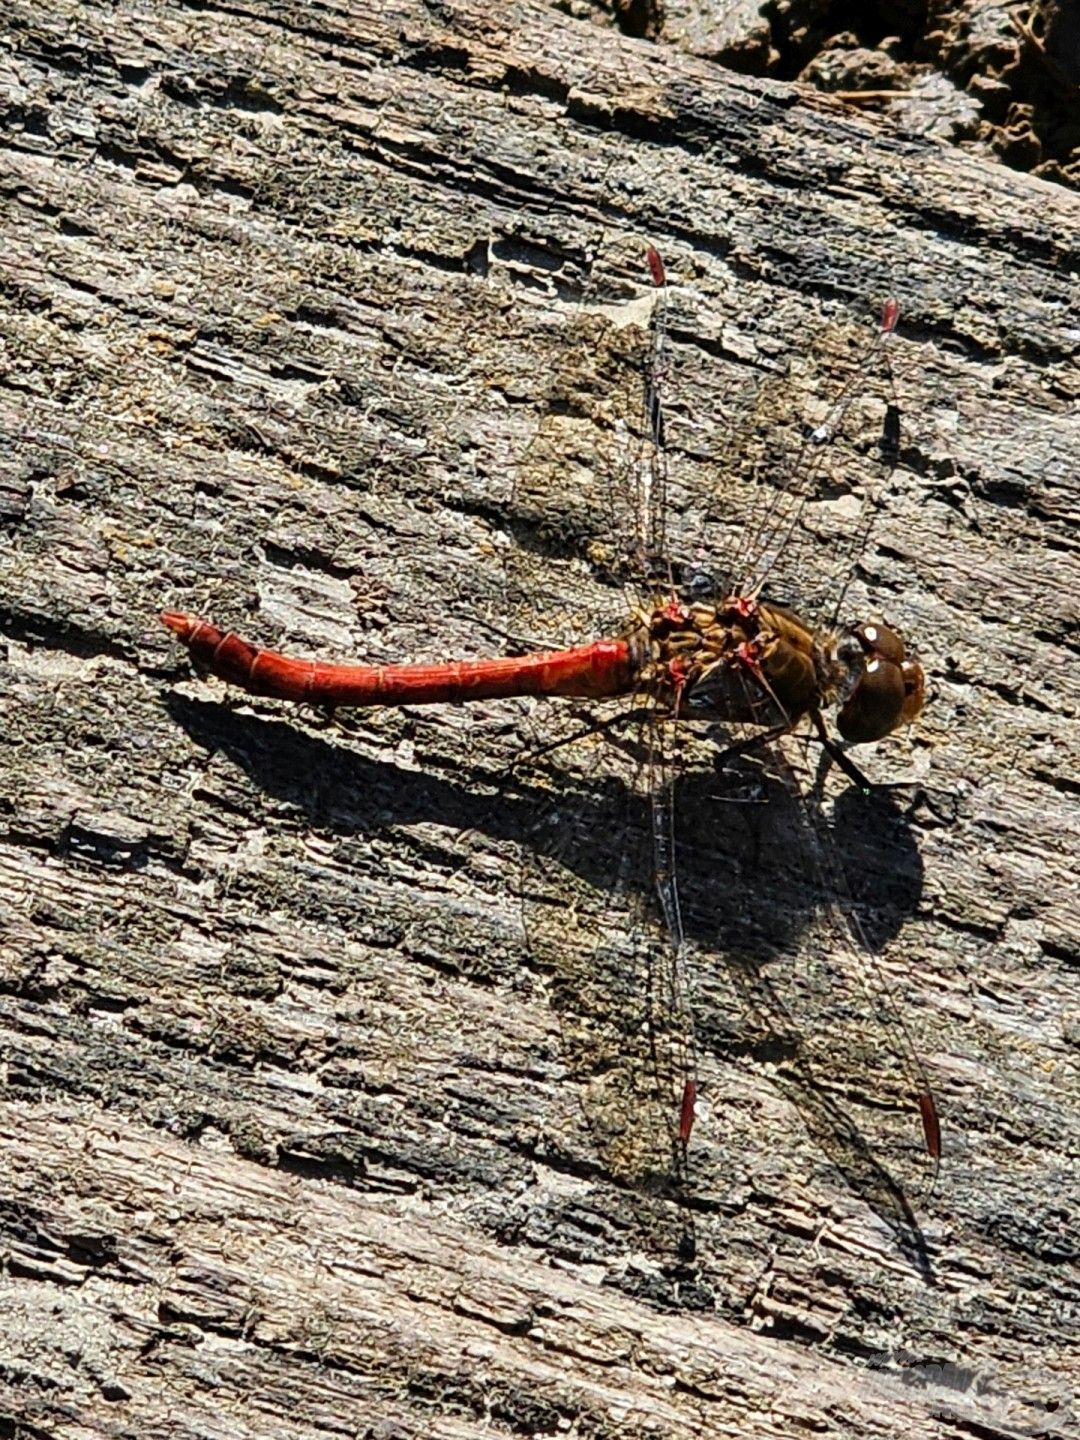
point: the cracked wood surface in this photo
(298, 1136)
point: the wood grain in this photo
(299, 1135)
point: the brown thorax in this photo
(746, 661)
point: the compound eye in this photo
(914, 690)
(876, 705)
(878, 641)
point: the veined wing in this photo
(785, 447)
(786, 483)
(593, 925)
(590, 499)
(679, 899)
(588, 502)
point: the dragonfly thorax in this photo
(746, 661)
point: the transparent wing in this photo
(843, 451)
(587, 514)
(587, 505)
(661, 898)
(830, 982)
(785, 445)
(663, 458)
(592, 924)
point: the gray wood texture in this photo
(298, 1132)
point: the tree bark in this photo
(307, 1125)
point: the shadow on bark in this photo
(779, 974)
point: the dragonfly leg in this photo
(852, 771)
(832, 749)
(594, 727)
(750, 744)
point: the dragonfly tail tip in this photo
(180, 624)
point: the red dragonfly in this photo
(737, 659)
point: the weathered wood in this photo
(994, 79)
(298, 1135)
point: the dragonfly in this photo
(690, 655)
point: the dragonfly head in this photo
(887, 686)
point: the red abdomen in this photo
(605, 667)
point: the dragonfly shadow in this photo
(752, 881)
(795, 905)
